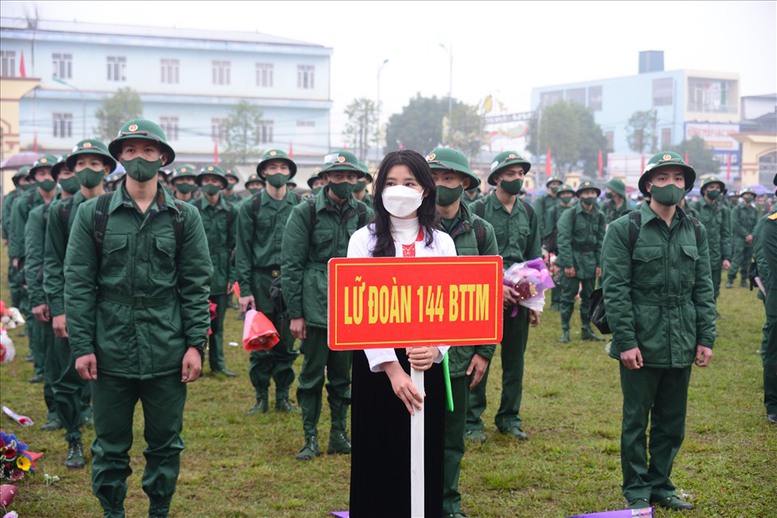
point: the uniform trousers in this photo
(570, 286)
(216, 339)
(71, 394)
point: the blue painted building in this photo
(188, 81)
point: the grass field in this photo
(240, 466)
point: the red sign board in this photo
(411, 301)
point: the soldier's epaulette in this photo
(773, 216)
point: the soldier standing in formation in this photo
(743, 220)
(184, 183)
(617, 203)
(716, 218)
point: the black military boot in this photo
(75, 455)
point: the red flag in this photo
(548, 163)
(291, 150)
(600, 163)
(216, 152)
(22, 70)
(642, 164)
(35, 143)
(686, 157)
(728, 167)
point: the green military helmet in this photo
(711, 178)
(254, 178)
(505, 159)
(366, 171)
(213, 170)
(229, 173)
(565, 187)
(312, 179)
(667, 159)
(341, 160)
(62, 162)
(454, 160)
(747, 190)
(276, 154)
(553, 179)
(184, 171)
(291, 185)
(21, 173)
(42, 161)
(617, 186)
(91, 147)
(587, 184)
(142, 129)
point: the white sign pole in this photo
(417, 451)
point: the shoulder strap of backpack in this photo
(635, 222)
(178, 222)
(361, 210)
(529, 209)
(696, 229)
(480, 233)
(479, 209)
(101, 222)
(312, 209)
(256, 204)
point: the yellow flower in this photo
(23, 463)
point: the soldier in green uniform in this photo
(23, 184)
(471, 195)
(661, 310)
(617, 203)
(90, 162)
(254, 184)
(229, 193)
(184, 183)
(743, 220)
(472, 236)
(580, 235)
(317, 230)
(566, 200)
(765, 251)
(44, 192)
(137, 274)
(261, 222)
(218, 219)
(518, 237)
(545, 202)
(716, 218)
(315, 183)
(360, 191)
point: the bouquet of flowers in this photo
(530, 279)
(14, 459)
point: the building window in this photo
(170, 127)
(116, 68)
(712, 95)
(63, 125)
(609, 136)
(170, 71)
(218, 129)
(767, 168)
(550, 98)
(264, 73)
(221, 72)
(666, 138)
(264, 132)
(576, 95)
(9, 63)
(595, 98)
(63, 65)
(662, 91)
(306, 76)
(306, 124)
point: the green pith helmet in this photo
(587, 184)
(21, 173)
(91, 147)
(312, 179)
(62, 162)
(711, 178)
(553, 179)
(213, 170)
(276, 154)
(747, 190)
(565, 187)
(142, 129)
(42, 161)
(667, 159)
(254, 178)
(229, 173)
(341, 161)
(183, 171)
(505, 159)
(617, 186)
(452, 159)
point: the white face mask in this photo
(401, 201)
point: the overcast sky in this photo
(499, 48)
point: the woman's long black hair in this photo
(427, 212)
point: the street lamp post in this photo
(449, 50)
(83, 104)
(377, 110)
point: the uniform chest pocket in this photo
(648, 265)
(115, 255)
(323, 242)
(687, 263)
(162, 260)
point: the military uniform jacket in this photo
(467, 201)
(517, 235)
(554, 215)
(135, 306)
(716, 218)
(21, 211)
(260, 236)
(658, 297)
(35, 238)
(8, 201)
(743, 220)
(306, 249)
(57, 233)
(612, 212)
(580, 236)
(542, 207)
(219, 223)
(759, 254)
(462, 230)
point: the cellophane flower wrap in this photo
(530, 279)
(15, 462)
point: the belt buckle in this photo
(275, 273)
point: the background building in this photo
(758, 138)
(188, 81)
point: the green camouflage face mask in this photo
(446, 196)
(185, 188)
(90, 178)
(141, 169)
(70, 185)
(513, 186)
(211, 190)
